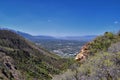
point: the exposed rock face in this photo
(14, 73)
(9, 71)
(83, 52)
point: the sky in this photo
(61, 17)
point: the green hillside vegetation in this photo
(21, 59)
(103, 62)
(102, 43)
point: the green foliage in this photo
(32, 61)
(102, 43)
(102, 64)
(109, 35)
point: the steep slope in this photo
(99, 44)
(97, 60)
(23, 60)
(101, 59)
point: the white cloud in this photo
(116, 22)
(49, 20)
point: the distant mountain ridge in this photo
(44, 37)
(34, 38)
(80, 38)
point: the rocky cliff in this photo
(84, 52)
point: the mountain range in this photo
(44, 37)
(34, 38)
(79, 38)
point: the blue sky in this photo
(61, 17)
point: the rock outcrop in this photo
(14, 73)
(8, 69)
(83, 52)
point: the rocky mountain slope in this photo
(97, 60)
(99, 44)
(23, 60)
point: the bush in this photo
(102, 66)
(102, 43)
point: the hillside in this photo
(23, 60)
(99, 44)
(97, 60)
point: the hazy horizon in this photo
(3, 28)
(61, 17)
